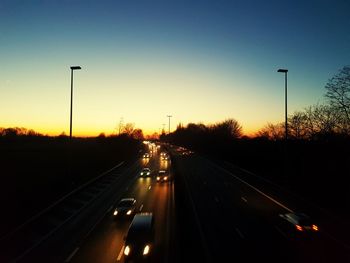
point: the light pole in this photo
(285, 102)
(71, 98)
(169, 116)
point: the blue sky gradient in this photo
(201, 61)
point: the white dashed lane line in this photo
(120, 254)
(72, 255)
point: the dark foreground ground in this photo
(37, 167)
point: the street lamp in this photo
(71, 97)
(169, 116)
(285, 92)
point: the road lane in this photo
(105, 243)
(239, 220)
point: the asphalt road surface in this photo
(207, 213)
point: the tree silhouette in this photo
(338, 95)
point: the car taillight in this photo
(299, 228)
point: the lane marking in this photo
(141, 207)
(216, 199)
(245, 200)
(109, 209)
(126, 189)
(256, 189)
(120, 253)
(72, 254)
(149, 187)
(239, 233)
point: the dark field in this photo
(36, 171)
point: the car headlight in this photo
(127, 251)
(129, 212)
(115, 212)
(165, 178)
(148, 173)
(146, 250)
(158, 178)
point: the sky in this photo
(199, 61)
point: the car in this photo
(298, 222)
(126, 207)
(146, 155)
(163, 176)
(139, 241)
(164, 156)
(145, 172)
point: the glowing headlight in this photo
(158, 178)
(127, 251)
(146, 250)
(148, 173)
(129, 212)
(165, 178)
(115, 212)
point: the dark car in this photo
(297, 223)
(139, 242)
(163, 176)
(125, 208)
(145, 172)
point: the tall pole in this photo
(286, 113)
(71, 99)
(285, 71)
(169, 116)
(71, 104)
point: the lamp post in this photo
(71, 98)
(169, 116)
(285, 71)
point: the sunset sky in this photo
(200, 61)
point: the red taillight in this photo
(299, 228)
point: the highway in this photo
(208, 213)
(106, 244)
(240, 221)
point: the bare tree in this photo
(322, 120)
(128, 129)
(272, 131)
(338, 95)
(297, 125)
(137, 134)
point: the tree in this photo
(128, 129)
(272, 131)
(137, 134)
(321, 120)
(297, 125)
(229, 128)
(338, 95)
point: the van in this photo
(139, 241)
